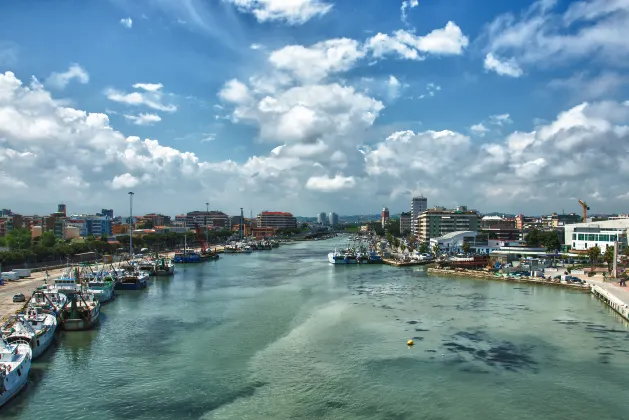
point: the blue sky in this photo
(314, 105)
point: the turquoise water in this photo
(282, 334)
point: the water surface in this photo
(282, 334)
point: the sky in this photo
(314, 106)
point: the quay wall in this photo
(612, 301)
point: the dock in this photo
(397, 263)
(612, 295)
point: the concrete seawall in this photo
(613, 296)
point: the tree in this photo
(608, 257)
(436, 250)
(18, 239)
(551, 240)
(423, 248)
(396, 243)
(594, 254)
(389, 238)
(48, 239)
(466, 247)
(533, 238)
(403, 248)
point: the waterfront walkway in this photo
(615, 296)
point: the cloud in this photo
(318, 61)
(152, 97)
(500, 119)
(150, 87)
(584, 86)
(407, 4)
(479, 129)
(256, 46)
(394, 87)
(326, 184)
(143, 119)
(449, 40)
(295, 12)
(208, 137)
(126, 22)
(235, 92)
(61, 80)
(545, 37)
(124, 181)
(503, 68)
(8, 53)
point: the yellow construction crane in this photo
(585, 210)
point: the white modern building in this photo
(322, 219)
(405, 223)
(418, 206)
(583, 236)
(453, 242)
(333, 219)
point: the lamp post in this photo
(207, 211)
(131, 224)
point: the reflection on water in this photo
(282, 334)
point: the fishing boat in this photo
(15, 364)
(80, 312)
(187, 256)
(230, 249)
(347, 256)
(36, 328)
(464, 261)
(147, 265)
(102, 288)
(164, 267)
(132, 279)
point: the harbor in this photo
(337, 333)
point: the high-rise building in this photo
(418, 205)
(385, 216)
(322, 219)
(333, 218)
(277, 219)
(438, 221)
(61, 208)
(213, 218)
(107, 213)
(405, 223)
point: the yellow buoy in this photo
(410, 342)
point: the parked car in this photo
(19, 297)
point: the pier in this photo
(398, 263)
(614, 296)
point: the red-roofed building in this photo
(277, 219)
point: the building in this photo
(583, 236)
(522, 222)
(405, 223)
(263, 232)
(170, 229)
(385, 217)
(157, 219)
(333, 219)
(91, 225)
(120, 228)
(438, 221)
(212, 218)
(500, 228)
(559, 220)
(418, 206)
(61, 208)
(107, 213)
(276, 219)
(246, 229)
(452, 243)
(59, 228)
(322, 219)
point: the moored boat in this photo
(36, 328)
(80, 312)
(164, 267)
(133, 279)
(15, 365)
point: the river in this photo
(282, 334)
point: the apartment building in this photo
(440, 221)
(277, 219)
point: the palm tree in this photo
(423, 248)
(594, 254)
(403, 248)
(396, 243)
(466, 247)
(608, 257)
(436, 250)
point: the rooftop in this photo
(453, 235)
(276, 213)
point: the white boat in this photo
(15, 364)
(342, 257)
(164, 267)
(246, 249)
(36, 328)
(48, 298)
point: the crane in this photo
(585, 210)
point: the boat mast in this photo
(131, 225)
(242, 223)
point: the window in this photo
(574, 245)
(603, 238)
(582, 237)
(574, 236)
(613, 238)
(591, 237)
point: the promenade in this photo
(613, 295)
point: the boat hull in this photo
(45, 339)
(341, 260)
(103, 295)
(14, 383)
(138, 285)
(80, 324)
(168, 271)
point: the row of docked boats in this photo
(71, 302)
(355, 253)
(250, 246)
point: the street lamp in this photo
(207, 211)
(131, 225)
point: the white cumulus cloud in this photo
(151, 97)
(407, 4)
(293, 12)
(61, 80)
(126, 22)
(502, 67)
(143, 119)
(326, 184)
